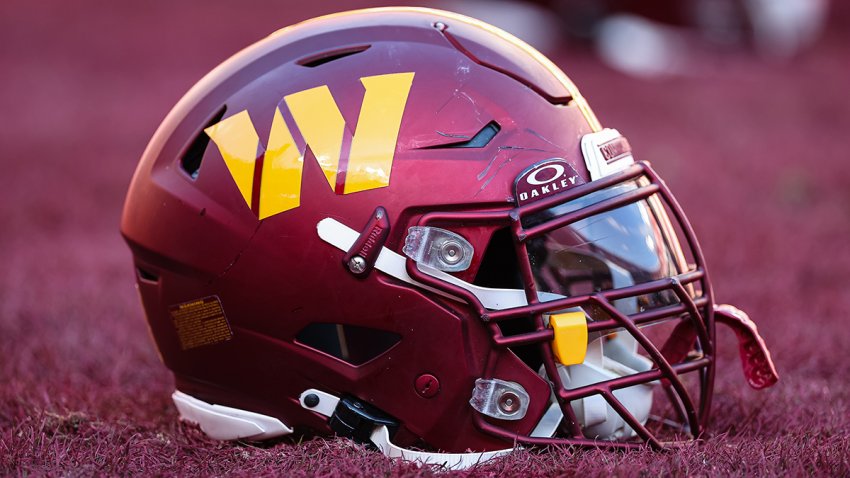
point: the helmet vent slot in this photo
(332, 55)
(481, 139)
(146, 275)
(349, 343)
(194, 154)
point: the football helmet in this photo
(407, 227)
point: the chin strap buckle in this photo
(755, 358)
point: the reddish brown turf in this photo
(757, 153)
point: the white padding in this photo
(599, 419)
(225, 423)
(548, 425)
(391, 263)
(595, 410)
(607, 359)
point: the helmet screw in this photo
(311, 400)
(451, 252)
(440, 26)
(357, 265)
(509, 403)
(427, 385)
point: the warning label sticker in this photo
(200, 322)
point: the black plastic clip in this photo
(357, 420)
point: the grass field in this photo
(757, 153)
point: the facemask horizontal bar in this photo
(612, 294)
(615, 202)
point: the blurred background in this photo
(743, 106)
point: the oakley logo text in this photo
(544, 179)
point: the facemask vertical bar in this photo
(549, 364)
(677, 404)
(659, 360)
(707, 377)
(630, 418)
(697, 317)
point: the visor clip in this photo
(357, 420)
(361, 258)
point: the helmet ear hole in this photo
(190, 162)
(146, 275)
(499, 268)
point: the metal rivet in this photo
(509, 403)
(451, 252)
(357, 265)
(427, 385)
(440, 26)
(311, 400)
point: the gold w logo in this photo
(270, 178)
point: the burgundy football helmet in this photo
(407, 227)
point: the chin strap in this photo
(755, 358)
(327, 405)
(454, 461)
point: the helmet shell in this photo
(195, 237)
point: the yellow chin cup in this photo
(570, 344)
